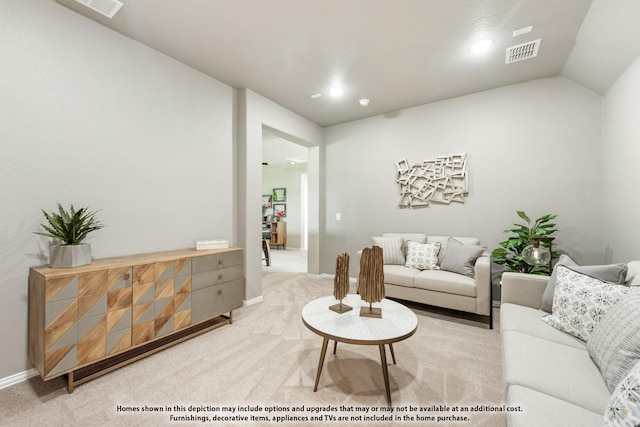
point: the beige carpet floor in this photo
(265, 363)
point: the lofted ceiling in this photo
(397, 54)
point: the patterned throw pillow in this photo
(423, 256)
(624, 406)
(391, 249)
(580, 302)
(615, 342)
(614, 273)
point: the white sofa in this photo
(548, 373)
(439, 287)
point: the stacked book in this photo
(202, 245)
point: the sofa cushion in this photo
(624, 407)
(541, 410)
(515, 317)
(558, 370)
(633, 273)
(445, 281)
(414, 237)
(392, 252)
(443, 240)
(460, 258)
(614, 273)
(580, 302)
(399, 275)
(422, 256)
(615, 342)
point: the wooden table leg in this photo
(385, 372)
(393, 355)
(335, 346)
(325, 342)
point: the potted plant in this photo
(71, 228)
(531, 239)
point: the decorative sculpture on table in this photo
(341, 283)
(371, 280)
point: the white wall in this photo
(533, 146)
(254, 113)
(287, 176)
(93, 118)
(621, 151)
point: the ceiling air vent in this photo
(106, 7)
(522, 51)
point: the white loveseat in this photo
(467, 288)
(549, 374)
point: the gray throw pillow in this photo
(614, 344)
(391, 249)
(614, 273)
(459, 258)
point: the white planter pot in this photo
(65, 256)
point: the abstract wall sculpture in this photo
(443, 180)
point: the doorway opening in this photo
(285, 195)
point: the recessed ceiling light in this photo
(364, 102)
(316, 95)
(336, 91)
(481, 45)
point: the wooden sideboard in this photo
(89, 320)
(279, 234)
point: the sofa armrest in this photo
(523, 289)
(483, 285)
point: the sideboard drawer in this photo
(217, 261)
(215, 300)
(215, 277)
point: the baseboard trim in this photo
(252, 301)
(17, 378)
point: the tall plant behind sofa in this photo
(510, 254)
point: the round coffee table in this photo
(397, 323)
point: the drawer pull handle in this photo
(220, 261)
(219, 291)
(220, 276)
(127, 276)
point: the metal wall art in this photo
(443, 180)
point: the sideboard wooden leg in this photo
(70, 382)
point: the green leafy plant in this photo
(71, 227)
(538, 232)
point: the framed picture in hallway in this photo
(279, 207)
(279, 195)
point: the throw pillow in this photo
(624, 407)
(614, 273)
(423, 256)
(615, 342)
(580, 302)
(459, 258)
(391, 249)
